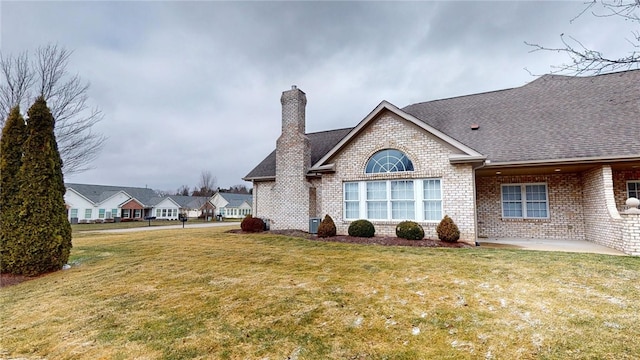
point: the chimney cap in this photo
(293, 87)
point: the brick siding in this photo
(430, 160)
(564, 196)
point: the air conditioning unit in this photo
(314, 223)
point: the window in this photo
(87, 213)
(136, 213)
(525, 201)
(402, 200)
(377, 200)
(389, 160)
(158, 213)
(73, 213)
(419, 200)
(351, 201)
(114, 213)
(101, 213)
(633, 189)
(126, 213)
(432, 195)
(164, 212)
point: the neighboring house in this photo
(102, 203)
(191, 206)
(553, 159)
(230, 205)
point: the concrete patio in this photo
(548, 245)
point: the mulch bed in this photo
(376, 240)
(10, 279)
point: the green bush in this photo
(410, 230)
(448, 230)
(327, 227)
(251, 224)
(361, 228)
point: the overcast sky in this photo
(193, 86)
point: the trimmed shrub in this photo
(410, 230)
(251, 224)
(448, 230)
(327, 227)
(361, 228)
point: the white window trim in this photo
(523, 200)
(418, 201)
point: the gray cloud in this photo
(191, 86)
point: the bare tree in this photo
(183, 190)
(46, 74)
(206, 185)
(239, 189)
(584, 60)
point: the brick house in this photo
(554, 159)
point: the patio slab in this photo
(549, 245)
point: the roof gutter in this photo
(259, 178)
(570, 161)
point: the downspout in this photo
(475, 197)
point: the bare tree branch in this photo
(584, 60)
(66, 97)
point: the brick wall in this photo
(293, 159)
(564, 194)
(430, 159)
(603, 224)
(620, 178)
(631, 234)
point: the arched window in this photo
(389, 160)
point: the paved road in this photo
(186, 226)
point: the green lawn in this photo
(136, 224)
(202, 293)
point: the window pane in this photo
(101, 213)
(402, 190)
(432, 190)
(389, 160)
(633, 189)
(87, 213)
(377, 190)
(511, 193)
(403, 210)
(352, 210)
(351, 191)
(511, 209)
(376, 209)
(114, 213)
(74, 213)
(433, 210)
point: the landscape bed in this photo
(205, 293)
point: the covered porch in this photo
(560, 202)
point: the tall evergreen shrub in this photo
(11, 143)
(45, 232)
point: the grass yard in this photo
(202, 293)
(134, 224)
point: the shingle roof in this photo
(235, 200)
(320, 143)
(552, 118)
(100, 193)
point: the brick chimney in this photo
(293, 160)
